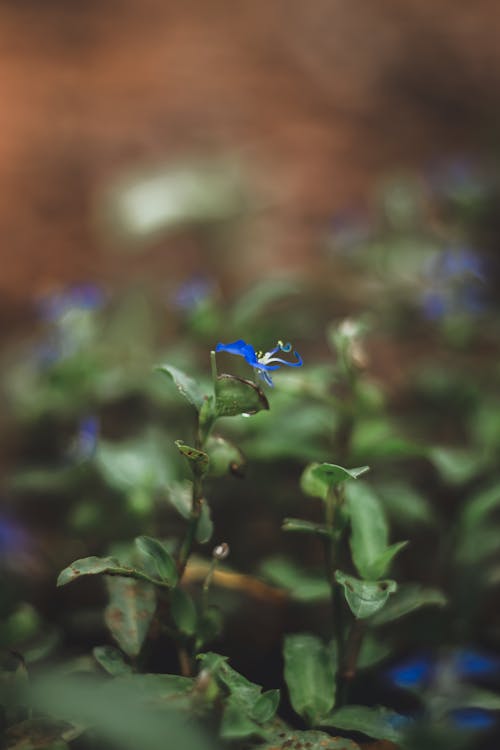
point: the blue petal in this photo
(241, 348)
(289, 364)
(472, 718)
(411, 674)
(475, 664)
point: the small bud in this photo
(221, 551)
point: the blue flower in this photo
(472, 718)
(413, 673)
(262, 362)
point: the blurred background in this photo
(177, 174)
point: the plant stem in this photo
(333, 500)
(187, 545)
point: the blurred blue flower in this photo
(262, 362)
(413, 673)
(472, 718)
(192, 293)
(85, 442)
(454, 283)
(52, 307)
(469, 663)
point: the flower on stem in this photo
(262, 362)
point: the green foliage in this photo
(310, 669)
(247, 708)
(183, 611)
(162, 563)
(365, 598)
(376, 722)
(370, 531)
(129, 613)
(235, 396)
(186, 385)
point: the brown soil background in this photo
(321, 98)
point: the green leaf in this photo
(408, 598)
(331, 474)
(209, 626)
(404, 504)
(369, 528)
(89, 566)
(180, 495)
(142, 462)
(111, 660)
(246, 706)
(266, 706)
(379, 722)
(365, 597)
(205, 527)
(369, 532)
(234, 396)
(455, 465)
(225, 458)
(183, 611)
(306, 527)
(164, 564)
(478, 697)
(236, 723)
(301, 586)
(478, 507)
(310, 670)
(185, 384)
(372, 651)
(287, 739)
(129, 612)
(198, 460)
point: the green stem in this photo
(333, 500)
(189, 539)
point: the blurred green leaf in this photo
(266, 706)
(129, 613)
(403, 503)
(246, 708)
(310, 669)
(37, 734)
(365, 597)
(180, 495)
(117, 711)
(163, 563)
(305, 527)
(456, 465)
(235, 396)
(111, 660)
(225, 458)
(408, 598)
(331, 474)
(379, 722)
(186, 385)
(236, 723)
(371, 554)
(198, 460)
(183, 611)
(253, 303)
(205, 527)
(372, 651)
(301, 585)
(478, 507)
(142, 462)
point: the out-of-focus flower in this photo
(413, 673)
(16, 547)
(52, 307)
(192, 293)
(472, 718)
(85, 441)
(262, 362)
(454, 283)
